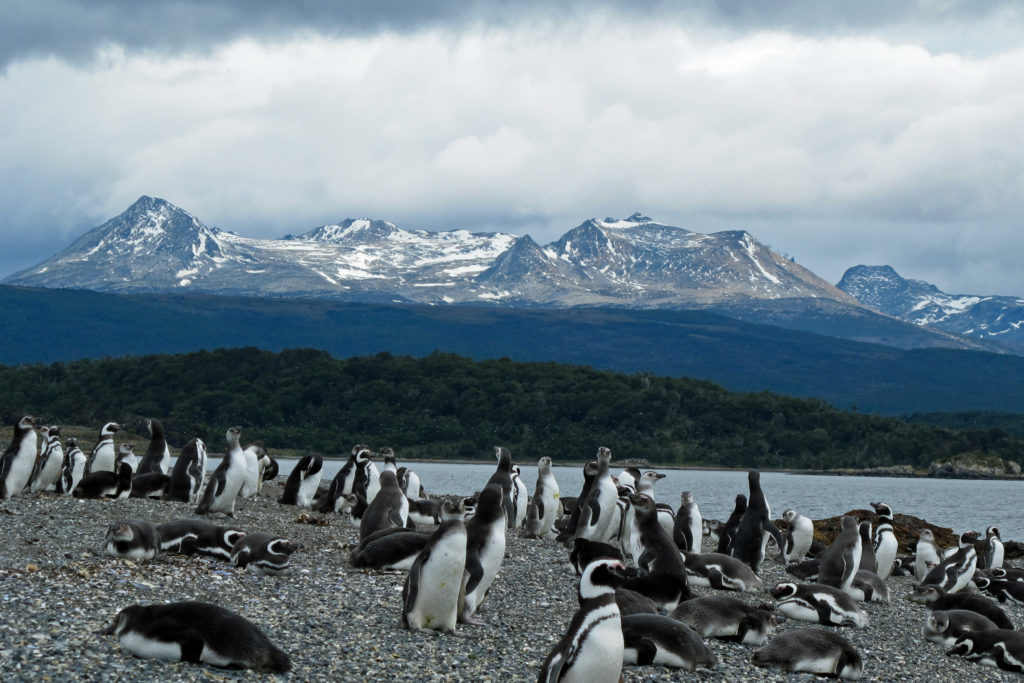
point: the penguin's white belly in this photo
(491, 556)
(252, 476)
(148, 648)
(550, 496)
(885, 555)
(20, 471)
(667, 521)
(599, 658)
(165, 461)
(607, 497)
(51, 471)
(797, 610)
(404, 564)
(307, 489)
(104, 460)
(439, 583)
(372, 482)
(77, 472)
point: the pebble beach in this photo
(58, 590)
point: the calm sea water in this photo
(955, 503)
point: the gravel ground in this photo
(338, 623)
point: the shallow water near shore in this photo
(959, 504)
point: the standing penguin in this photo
(813, 651)
(927, 556)
(885, 543)
(573, 507)
(390, 508)
(546, 506)
(842, 560)
(254, 454)
(591, 651)
(520, 498)
(955, 571)
(658, 552)
(755, 525)
(688, 530)
(485, 551)
(430, 595)
(74, 467)
(732, 525)
(103, 455)
(157, 457)
(502, 478)
(226, 481)
(188, 473)
(596, 511)
(799, 537)
(18, 460)
(46, 473)
(992, 556)
(302, 482)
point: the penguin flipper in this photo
(646, 651)
(474, 573)
(595, 510)
(192, 645)
(825, 614)
(539, 503)
(395, 518)
(553, 671)
(769, 526)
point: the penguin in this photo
(157, 457)
(993, 554)
(413, 486)
(819, 603)
(389, 508)
(666, 515)
(103, 454)
(226, 481)
(575, 506)
(198, 537)
(430, 594)
(46, 471)
(390, 464)
(658, 552)
(999, 648)
(134, 539)
(664, 589)
(196, 632)
(585, 551)
(663, 641)
(727, 618)
(946, 626)
(841, 562)
(263, 553)
(927, 555)
(502, 478)
(343, 481)
(867, 548)
(732, 525)
(268, 468)
(103, 484)
(150, 485)
(936, 599)
(628, 477)
(885, 544)
(384, 550)
(714, 570)
(592, 649)
(73, 469)
(520, 498)
(485, 551)
(688, 530)
(188, 473)
(868, 587)
(811, 650)
(954, 572)
(1001, 589)
(545, 506)
(19, 458)
(254, 454)
(423, 511)
(798, 537)
(596, 511)
(367, 481)
(303, 482)
(755, 526)
(713, 530)
(126, 455)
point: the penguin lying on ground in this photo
(727, 618)
(813, 651)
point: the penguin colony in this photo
(636, 559)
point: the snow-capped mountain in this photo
(638, 262)
(990, 318)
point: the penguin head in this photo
(231, 536)
(124, 620)
(233, 435)
(110, 429)
(982, 582)
(27, 423)
(644, 505)
(55, 431)
(120, 531)
(938, 621)
(882, 510)
(992, 532)
(360, 447)
(789, 515)
(452, 510)
(544, 465)
(601, 577)
(584, 552)
(926, 535)
(685, 497)
(925, 594)
(388, 479)
(783, 590)
(604, 455)
(968, 538)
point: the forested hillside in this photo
(447, 406)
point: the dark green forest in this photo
(448, 406)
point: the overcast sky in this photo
(843, 133)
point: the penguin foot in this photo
(473, 621)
